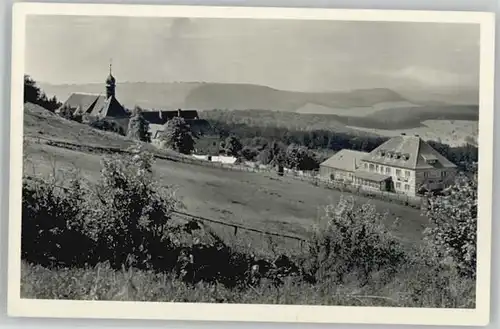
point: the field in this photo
(258, 200)
(451, 132)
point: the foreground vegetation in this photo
(118, 239)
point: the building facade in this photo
(403, 164)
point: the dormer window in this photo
(430, 159)
(406, 156)
(397, 155)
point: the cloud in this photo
(431, 77)
(285, 54)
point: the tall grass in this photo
(118, 241)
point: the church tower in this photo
(110, 84)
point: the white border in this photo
(254, 313)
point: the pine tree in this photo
(138, 127)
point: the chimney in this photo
(179, 112)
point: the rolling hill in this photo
(203, 96)
(377, 108)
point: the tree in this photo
(138, 127)
(33, 94)
(177, 136)
(233, 146)
(249, 153)
(300, 158)
(454, 217)
(31, 90)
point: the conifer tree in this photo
(138, 127)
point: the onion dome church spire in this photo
(110, 83)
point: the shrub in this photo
(52, 224)
(453, 215)
(249, 153)
(128, 212)
(107, 125)
(353, 241)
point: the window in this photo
(387, 170)
(398, 185)
(443, 173)
(407, 187)
(372, 167)
(376, 168)
(365, 165)
(426, 174)
(407, 174)
(398, 172)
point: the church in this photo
(107, 106)
(97, 105)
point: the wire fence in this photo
(197, 218)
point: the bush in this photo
(107, 125)
(128, 212)
(353, 242)
(453, 215)
(52, 232)
(249, 153)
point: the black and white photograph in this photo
(277, 159)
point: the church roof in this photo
(95, 105)
(409, 152)
(85, 102)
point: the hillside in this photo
(264, 201)
(39, 122)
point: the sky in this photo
(283, 54)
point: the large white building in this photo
(403, 164)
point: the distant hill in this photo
(207, 96)
(378, 108)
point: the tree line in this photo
(256, 139)
(33, 94)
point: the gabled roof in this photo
(409, 152)
(95, 105)
(85, 102)
(109, 108)
(344, 160)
